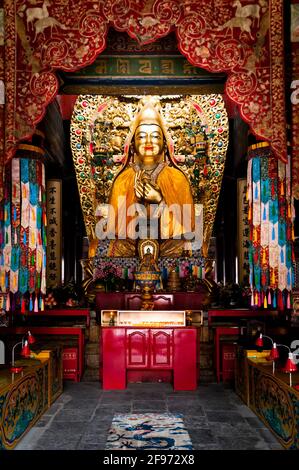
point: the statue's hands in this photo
(152, 194)
(146, 190)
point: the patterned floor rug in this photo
(148, 431)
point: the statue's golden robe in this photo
(175, 190)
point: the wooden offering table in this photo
(54, 354)
(269, 395)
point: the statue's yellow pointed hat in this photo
(149, 112)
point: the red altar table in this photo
(126, 349)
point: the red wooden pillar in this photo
(114, 358)
(184, 361)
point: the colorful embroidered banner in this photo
(270, 216)
(244, 39)
(23, 247)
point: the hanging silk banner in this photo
(23, 259)
(270, 216)
(5, 235)
(54, 194)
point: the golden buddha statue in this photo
(148, 262)
(151, 178)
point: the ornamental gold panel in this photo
(198, 125)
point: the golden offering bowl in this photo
(147, 277)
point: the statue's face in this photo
(149, 142)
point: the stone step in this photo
(92, 360)
(90, 375)
(206, 376)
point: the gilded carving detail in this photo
(197, 124)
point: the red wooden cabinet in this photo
(161, 349)
(114, 358)
(149, 349)
(137, 349)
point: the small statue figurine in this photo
(148, 262)
(188, 317)
(111, 321)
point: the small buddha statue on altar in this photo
(111, 320)
(148, 275)
(148, 262)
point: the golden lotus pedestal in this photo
(147, 280)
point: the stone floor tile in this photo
(213, 415)
(186, 409)
(255, 422)
(242, 443)
(202, 436)
(234, 430)
(54, 408)
(217, 405)
(94, 437)
(183, 393)
(110, 400)
(177, 399)
(55, 440)
(117, 393)
(149, 387)
(194, 422)
(73, 415)
(142, 406)
(224, 417)
(76, 403)
(90, 446)
(150, 395)
(113, 408)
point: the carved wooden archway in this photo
(243, 38)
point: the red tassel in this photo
(23, 305)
